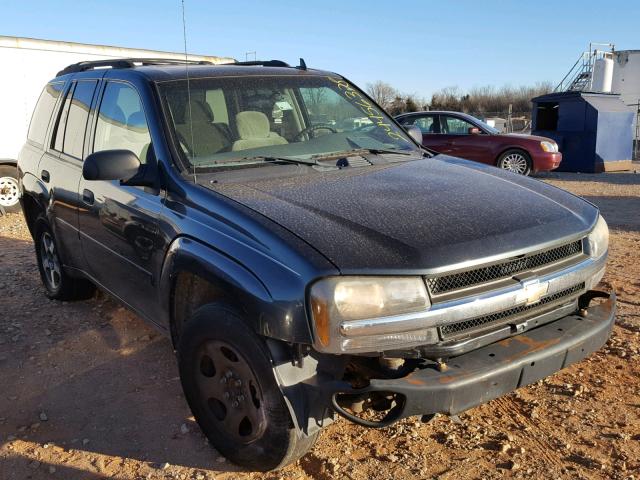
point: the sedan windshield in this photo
(226, 121)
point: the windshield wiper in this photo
(267, 158)
(360, 151)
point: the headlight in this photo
(599, 238)
(336, 300)
(551, 147)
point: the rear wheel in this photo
(57, 283)
(516, 161)
(9, 189)
(226, 375)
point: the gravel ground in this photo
(89, 391)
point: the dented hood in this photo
(414, 216)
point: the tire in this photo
(515, 161)
(226, 375)
(9, 189)
(57, 283)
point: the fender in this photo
(245, 289)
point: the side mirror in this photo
(474, 131)
(415, 133)
(111, 165)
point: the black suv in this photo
(306, 255)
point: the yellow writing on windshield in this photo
(369, 109)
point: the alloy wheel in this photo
(231, 392)
(9, 191)
(516, 163)
(50, 261)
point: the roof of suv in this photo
(162, 70)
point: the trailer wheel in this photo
(9, 189)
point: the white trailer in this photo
(27, 65)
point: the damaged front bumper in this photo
(488, 372)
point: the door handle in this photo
(87, 197)
(44, 175)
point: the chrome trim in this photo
(588, 271)
(498, 332)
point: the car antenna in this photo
(186, 68)
(303, 64)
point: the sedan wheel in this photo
(515, 161)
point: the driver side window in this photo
(121, 122)
(455, 125)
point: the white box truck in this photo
(27, 65)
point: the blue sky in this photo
(417, 46)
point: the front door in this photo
(464, 143)
(118, 225)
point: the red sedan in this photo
(461, 135)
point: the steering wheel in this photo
(312, 128)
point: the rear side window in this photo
(121, 122)
(43, 111)
(57, 138)
(77, 118)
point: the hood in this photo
(535, 138)
(414, 216)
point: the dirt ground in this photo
(88, 391)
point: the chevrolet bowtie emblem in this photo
(532, 291)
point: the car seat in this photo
(254, 132)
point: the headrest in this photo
(252, 125)
(200, 112)
(114, 113)
(137, 119)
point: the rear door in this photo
(60, 168)
(118, 223)
(472, 146)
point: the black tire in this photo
(57, 283)
(9, 190)
(210, 341)
(516, 161)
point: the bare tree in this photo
(383, 93)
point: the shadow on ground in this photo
(89, 377)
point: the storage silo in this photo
(602, 78)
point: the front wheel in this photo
(515, 161)
(227, 378)
(9, 189)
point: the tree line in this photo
(482, 101)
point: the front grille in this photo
(455, 329)
(456, 281)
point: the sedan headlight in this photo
(599, 238)
(340, 301)
(551, 147)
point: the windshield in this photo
(486, 126)
(231, 120)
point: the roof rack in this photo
(127, 63)
(263, 63)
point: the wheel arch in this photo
(195, 274)
(504, 149)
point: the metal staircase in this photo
(580, 76)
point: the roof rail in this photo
(263, 63)
(126, 63)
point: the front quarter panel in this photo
(264, 268)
